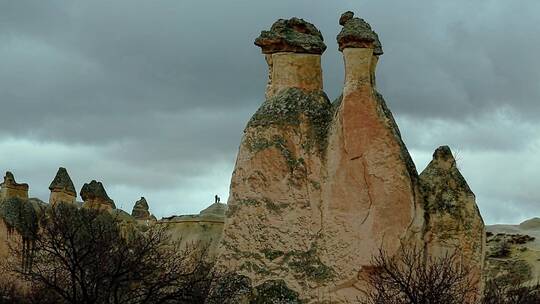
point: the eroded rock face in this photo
(10, 188)
(141, 210)
(62, 188)
(95, 196)
(318, 188)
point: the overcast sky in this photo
(151, 97)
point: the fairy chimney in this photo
(62, 188)
(10, 188)
(141, 211)
(292, 51)
(319, 188)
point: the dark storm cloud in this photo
(167, 86)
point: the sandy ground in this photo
(532, 254)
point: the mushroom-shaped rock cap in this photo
(94, 191)
(357, 33)
(62, 182)
(293, 35)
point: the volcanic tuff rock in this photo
(62, 188)
(95, 196)
(453, 221)
(317, 187)
(140, 210)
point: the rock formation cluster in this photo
(319, 187)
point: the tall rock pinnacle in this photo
(95, 196)
(141, 210)
(275, 197)
(62, 188)
(453, 220)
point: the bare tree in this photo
(409, 277)
(83, 256)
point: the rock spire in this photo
(62, 188)
(453, 221)
(141, 210)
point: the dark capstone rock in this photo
(275, 292)
(357, 33)
(345, 17)
(292, 35)
(140, 210)
(62, 182)
(94, 191)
